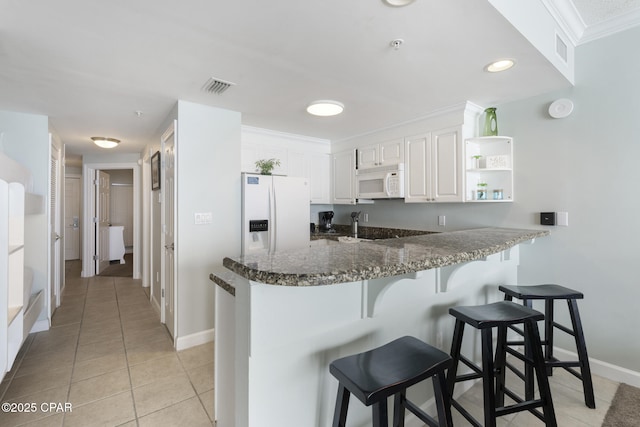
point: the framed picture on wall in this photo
(155, 171)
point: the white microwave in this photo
(383, 182)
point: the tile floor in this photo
(109, 357)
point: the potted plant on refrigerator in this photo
(265, 166)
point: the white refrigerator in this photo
(275, 213)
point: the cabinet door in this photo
(391, 152)
(417, 157)
(368, 156)
(249, 154)
(298, 164)
(319, 178)
(446, 166)
(344, 171)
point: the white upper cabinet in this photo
(299, 156)
(385, 153)
(343, 169)
(489, 169)
(320, 178)
(434, 167)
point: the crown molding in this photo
(611, 26)
(570, 21)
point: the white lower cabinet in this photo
(434, 167)
(343, 170)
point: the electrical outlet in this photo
(203, 218)
(562, 218)
(365, 217)
(441, 220)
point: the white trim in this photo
(283, 135)
(40, 325)
(192, 340)
(603, 369)
(568, 18)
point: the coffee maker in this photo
(325, 221)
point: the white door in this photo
(55, 269)
(102, 225)
(168, 226)
(71, 218)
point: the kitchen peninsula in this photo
(282, 318)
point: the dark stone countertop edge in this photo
(516, 237)
(224, 278)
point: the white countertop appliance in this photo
(275, 213)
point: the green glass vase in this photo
(490, 122)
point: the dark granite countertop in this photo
(350, 262)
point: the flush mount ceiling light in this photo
(103, 142)
(397, 3)
(500, 65)
(325, 108)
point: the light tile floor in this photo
(109, 357)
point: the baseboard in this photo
(192, 340)
(603, 369)
(40, 325)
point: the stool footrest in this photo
(516, 371)
(465, 414)
(424, 417)
(564, 329)
(522, 406)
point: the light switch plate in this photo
(562, 218)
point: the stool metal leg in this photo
(456, 345)
(399, 403)
(533, 335)
(488, 378)
(342, 404)
(585, 370)
(548, 333)
(501, 365)
(443, 402)
(380, 414)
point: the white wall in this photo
(587, 165)
(208, 168)
(25, 138)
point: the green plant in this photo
(477, 157)
(482, 184)
(265, 166)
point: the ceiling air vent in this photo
(217, 86)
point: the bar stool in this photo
(388, 370)
(550, 293)
(499, 315)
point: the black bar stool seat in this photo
(549, 293)
(389, 370)
(499, 315)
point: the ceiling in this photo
(91, 65)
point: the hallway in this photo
(108, 357)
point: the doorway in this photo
(72, 196)
(120, 223)
(126, 211)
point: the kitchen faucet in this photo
(355, 216)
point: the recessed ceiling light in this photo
(103, 142)
(325, 107)
(397, 3)
(500, 65)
